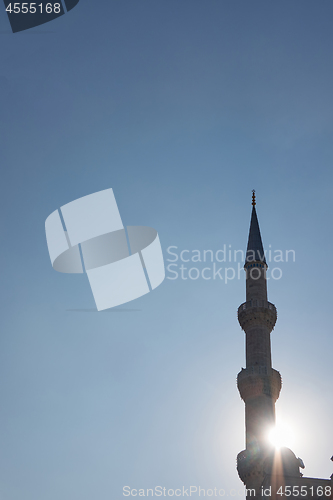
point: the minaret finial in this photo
(253, 197)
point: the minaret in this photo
(259, 384)
(265, 471)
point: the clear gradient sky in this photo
(182, 107)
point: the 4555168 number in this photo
(305, 491)
(32, 8)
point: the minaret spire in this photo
(255, 250)
(261, 468)
(259, 384)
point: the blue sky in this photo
(182, 107)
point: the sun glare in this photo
(281, 435)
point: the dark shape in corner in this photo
(45, 11)
(70, 4)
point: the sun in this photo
(281, 435)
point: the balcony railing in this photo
(251, 370)
(257, 303)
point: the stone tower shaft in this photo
(262, 467)
(259, 384)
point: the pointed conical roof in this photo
(255, 249)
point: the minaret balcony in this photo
(258, 381)
(249, 466)
(257, 312)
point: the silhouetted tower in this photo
(259, 384)
(265, 471)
